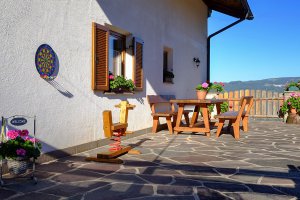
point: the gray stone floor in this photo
(263, 164)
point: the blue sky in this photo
(266, 47)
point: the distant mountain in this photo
(273, 84)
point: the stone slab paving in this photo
(263, 164)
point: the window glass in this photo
(168, 74)
(116, 48)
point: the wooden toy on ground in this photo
(124, 108)
(115, 130)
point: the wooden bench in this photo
(235, 117)
(162, 107)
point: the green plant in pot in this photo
(217, 87)
(120, 84)
(224, 107)
(168, 76)
(292, 86)
(18, 148)
(292, 107)
(202, 90)
(292, 104)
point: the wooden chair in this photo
(235, 117)
(162, 107)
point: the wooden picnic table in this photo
(199, 104)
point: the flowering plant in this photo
(20, 145)
(120, 83)
(204, 86)
(292, 102)
(218, 87)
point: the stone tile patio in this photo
(263, 164)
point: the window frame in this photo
(100, 48)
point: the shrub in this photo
(121, 83)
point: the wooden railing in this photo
(266, 103)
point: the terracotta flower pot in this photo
(201, 94)
(293, 117)
(293, 111)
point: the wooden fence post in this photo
(258, 102)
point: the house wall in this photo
(68, 112)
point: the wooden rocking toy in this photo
(115, 130)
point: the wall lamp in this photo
(197, 61)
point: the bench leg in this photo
(236, 130)
(155, 124)
(169, 123)
(220, 126)
(245, 124)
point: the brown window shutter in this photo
(100, 36)
(138, 63)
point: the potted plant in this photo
(211, 109)
(120, 84)
(202, 90)
(18, 149)
(224, 107)
(168, 76)
(292, 107)
(292, 86)
(217, 87)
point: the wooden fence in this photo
(266, 103)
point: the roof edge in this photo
(235, 8)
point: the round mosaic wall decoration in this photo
(45, 60)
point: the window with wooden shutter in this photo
(100, 36)
(138, 63)
(108, 57)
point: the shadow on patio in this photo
(263, 164)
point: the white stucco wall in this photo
(68, 111)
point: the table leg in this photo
(195, 115)
(205, 119)
(179, 117)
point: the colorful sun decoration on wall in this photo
(45, 61)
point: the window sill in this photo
(121, 93)
(168, 82)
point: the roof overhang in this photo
(235, 8)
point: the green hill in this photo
(273, 84)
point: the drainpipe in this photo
(208, 44)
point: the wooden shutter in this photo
(138, 63)
(100, 36)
